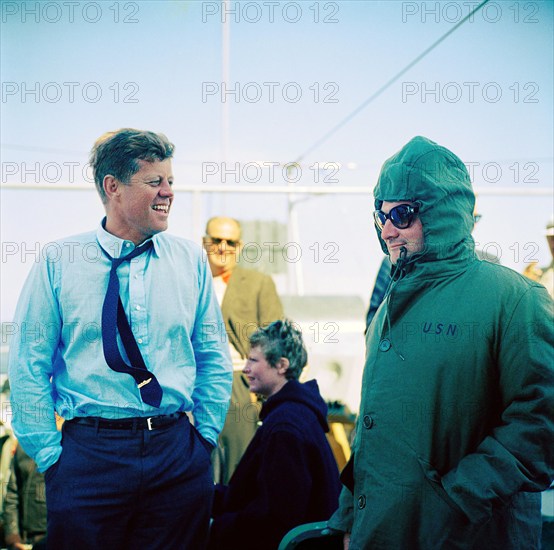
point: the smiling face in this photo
(262, 377)
(222, 243)
(139, 209)
(410, 238)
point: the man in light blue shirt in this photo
(129, 470)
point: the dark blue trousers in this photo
(130, 489)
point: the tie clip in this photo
(144, 382)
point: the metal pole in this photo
(225, 48)
(280, 189)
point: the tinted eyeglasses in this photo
(401, 216)
(217, 241)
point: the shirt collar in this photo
(117, 247)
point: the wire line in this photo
(388, 84)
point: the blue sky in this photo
(485, 92)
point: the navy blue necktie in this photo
(113, 315)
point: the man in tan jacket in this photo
(248, 301)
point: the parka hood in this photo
(430, 175)
(295, 392)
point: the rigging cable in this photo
(388, 84)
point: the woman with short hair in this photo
(288, 475)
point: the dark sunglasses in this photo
(217, 241)
(401, 216)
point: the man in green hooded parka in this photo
(455, 436)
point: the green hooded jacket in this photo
(455, 436)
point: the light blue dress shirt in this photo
(56, 359)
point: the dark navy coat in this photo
(287, 476)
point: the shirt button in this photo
(137, 308)
(368, 422)
(361, 502)
(139, 340)
(384, 345)
(135, 277)
(127, 245)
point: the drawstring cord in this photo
(399, 265)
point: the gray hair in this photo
(282, 339)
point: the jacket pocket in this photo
(442, 522)
(205, 443)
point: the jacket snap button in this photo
(361, 502)
(384, 345)
(368, 422)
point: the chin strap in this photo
(397, 267)
(402, 258)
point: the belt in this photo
(134, 423)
